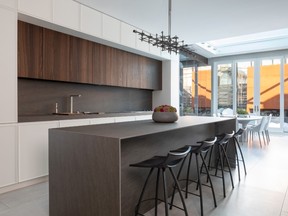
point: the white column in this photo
(170, 84)
(8, 65)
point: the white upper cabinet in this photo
(8, 155)
(141, 45)
(66, 13)
(40, 9)
(155, 50)
(91, 21)
(128, 37)
(9, 3)
(111, 28)
(8, 66)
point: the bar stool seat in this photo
(200, 151)
(161, 163)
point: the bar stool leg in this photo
(241, 154)
(165, 192)
(178, 176)
(200, 184)
(237, 157)
(209, 177)
(142, 193)
(238, 148)
(156, 197)
(187, 176)
(179, 189)
(222, 170)
(228, 165)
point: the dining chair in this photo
(227, 112)
(266, 131)
(259, 129)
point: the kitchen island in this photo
(89, 171)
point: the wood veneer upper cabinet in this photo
(80, 60)
(108, 66)
(133, 71)
(151, 74)
(114, 67)
(56, 53)
(98, 66)
(51, 55)
(30, 50)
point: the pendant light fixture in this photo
(165, 42)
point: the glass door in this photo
(270, 90)
(285, 121)
(225, 88)
(245, 87)
(258, 87)
(196, 90)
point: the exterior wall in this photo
(269, 87)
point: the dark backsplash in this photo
(37, 97)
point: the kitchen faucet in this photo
(71, 101)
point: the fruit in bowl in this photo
(165, 114)
(165, 108)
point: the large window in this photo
(244, 80)
(196, 91)
(286, 95)
(225, 86)
(259, 86)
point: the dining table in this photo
(244, 121)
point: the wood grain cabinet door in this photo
(151, 74)
(97, 77)
(56, 51)
(133, 74)
(80, 65)
(30, 50)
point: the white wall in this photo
(8, 63)
(170, 85)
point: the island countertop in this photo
(89, 172)
(141, 128)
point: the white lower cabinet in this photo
(33, 149)
(143, 117)
(102, 120)
(124, 118)
(72, 123)
(8, 154)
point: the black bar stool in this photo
(199, 150)
(161, 163)
(222, 143)
(237, 148)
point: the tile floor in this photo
(263, 192)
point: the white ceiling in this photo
(197, 21)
